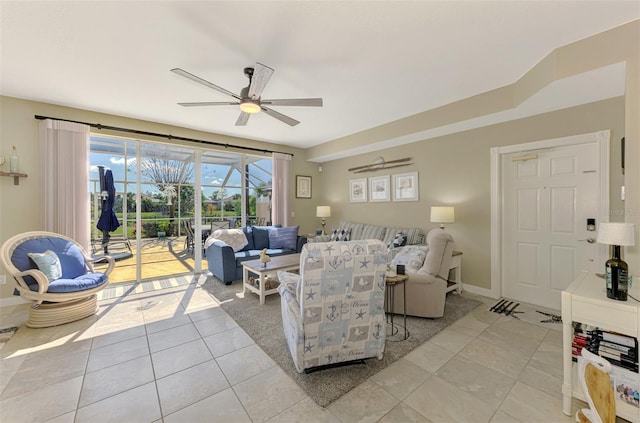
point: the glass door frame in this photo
(130, 144)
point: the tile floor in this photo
(174, 355)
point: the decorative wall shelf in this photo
(380, 164)
(16, 176)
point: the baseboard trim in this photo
(12, 301)
(478, 290)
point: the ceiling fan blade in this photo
(201, 81)
(259, 80)
(286, 119)
(312, 102)
(209, 103)
(242, 119)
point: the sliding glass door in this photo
(169, 199)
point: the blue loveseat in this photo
(226, 264)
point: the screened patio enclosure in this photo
(169, 198)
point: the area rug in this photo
(263, 323)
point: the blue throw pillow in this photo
(260, 237)
(284, 238)
(248, 232)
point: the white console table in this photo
(585, 301)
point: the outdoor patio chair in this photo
(189, 241)
(57, 274)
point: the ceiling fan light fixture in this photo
(248, 106)
(250, 96)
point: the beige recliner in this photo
(427, 287)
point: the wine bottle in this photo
(13, 165)
(617, 275)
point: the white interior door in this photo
(548, 195)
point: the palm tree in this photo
(167, 174)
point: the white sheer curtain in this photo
(65, 184)
(281, 189)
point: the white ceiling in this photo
(371, 62)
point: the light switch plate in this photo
(2, 160)
(3, 279)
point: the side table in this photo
(391, 282)
(585, 301)
(456, 267)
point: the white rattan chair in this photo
(68, 292)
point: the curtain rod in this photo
(169, 137)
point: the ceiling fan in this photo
(249, 98)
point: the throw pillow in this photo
(48, 263)
(399, 241)
(260, 237)
(234, 238)
(412, 257)
(341, 235)
(284, 238)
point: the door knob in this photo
(589, 240)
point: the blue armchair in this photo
(57, 274)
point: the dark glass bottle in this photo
(617, 275)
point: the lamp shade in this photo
(442, 215)
(622, 234)
(323, 211)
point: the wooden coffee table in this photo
(287, 262)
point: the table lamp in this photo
(323, 211)
(442, 215)
(616, 270)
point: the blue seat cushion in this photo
(255, 254)
(71, 258)
(74, 270)
(81, 283)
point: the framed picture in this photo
(380, 188)
(358, 190)
(405, 187)
(303, 186)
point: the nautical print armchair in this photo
(333, 311)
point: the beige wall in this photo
(20, 205)
(618, 45)
(454, 170)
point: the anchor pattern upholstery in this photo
(333, 311)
